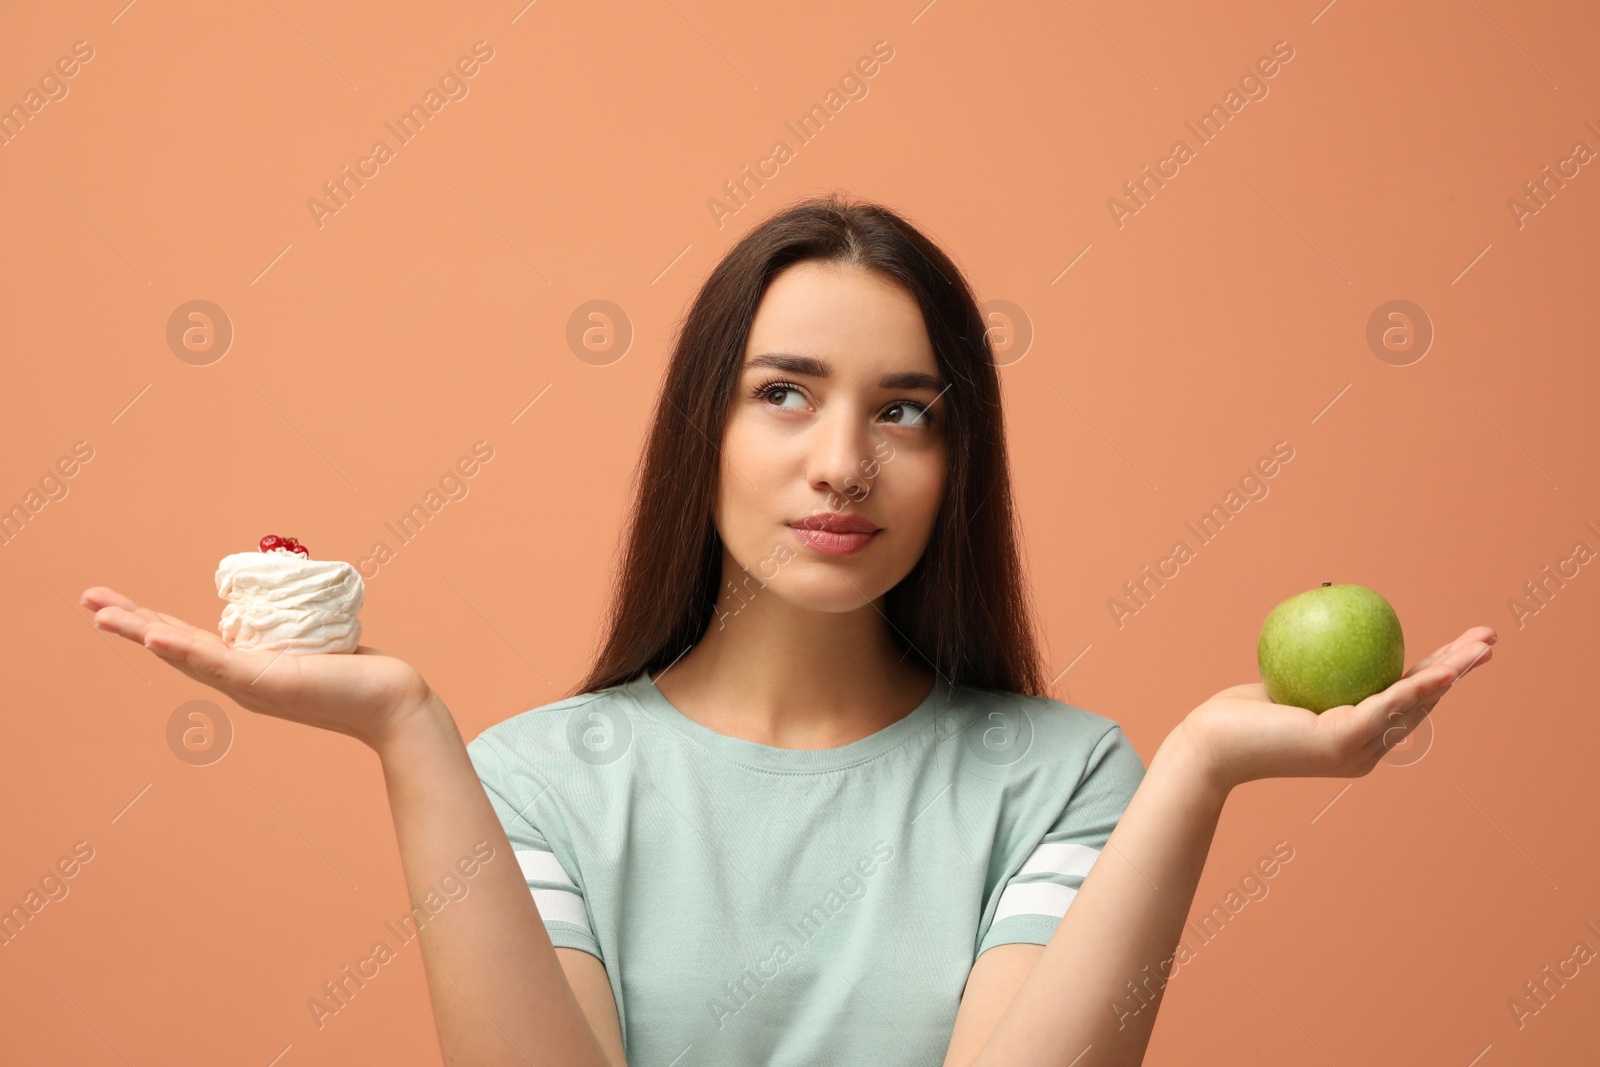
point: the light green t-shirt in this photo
(759, 905)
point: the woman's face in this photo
(839, 411)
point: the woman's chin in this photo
(834, 597)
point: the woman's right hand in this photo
(364, 694)
(497, 946)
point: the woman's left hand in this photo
(1242, 735)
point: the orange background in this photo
(370, 353)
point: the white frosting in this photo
(280, 601)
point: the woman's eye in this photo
(783, 390)
(916, 414)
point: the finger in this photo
(124, 622)
(216, 665)
(1431, 658)
(1378, 712)
(134, 624)
(1478, 633)
(177, 623)
(1386, 719)
(153, 616)
(1478, 658)
(98, 596)
(176, 664)
(1464, 659)
(1401, 724)
(1403, 719)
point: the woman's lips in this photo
(834, 544)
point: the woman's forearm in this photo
(1088, 993)
(498, 990)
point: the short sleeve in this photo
(1033, 901)
(557, 891)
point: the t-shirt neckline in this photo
(768, 757)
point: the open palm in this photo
(1247, 736)
(361, 694)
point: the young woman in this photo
(812, 803)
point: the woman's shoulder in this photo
(1056, 719)
(578, 724)
(1041, 740)
(1057, 765)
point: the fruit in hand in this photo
(1333, 645)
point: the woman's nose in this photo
(839, 451)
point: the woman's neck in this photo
(786, 677)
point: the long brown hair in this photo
(964, 609)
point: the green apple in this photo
(1334, 645)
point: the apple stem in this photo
(1327, 583)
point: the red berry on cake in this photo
(270, 542)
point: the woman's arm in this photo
(499, 992)
(1091, 997)
(1126, 916)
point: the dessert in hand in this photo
(280, 599)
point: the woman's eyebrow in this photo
(816, 368)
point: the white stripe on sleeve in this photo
(1034, 898)
(558, 904)
(1060, 857)
(564, 905)
(542, 866)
